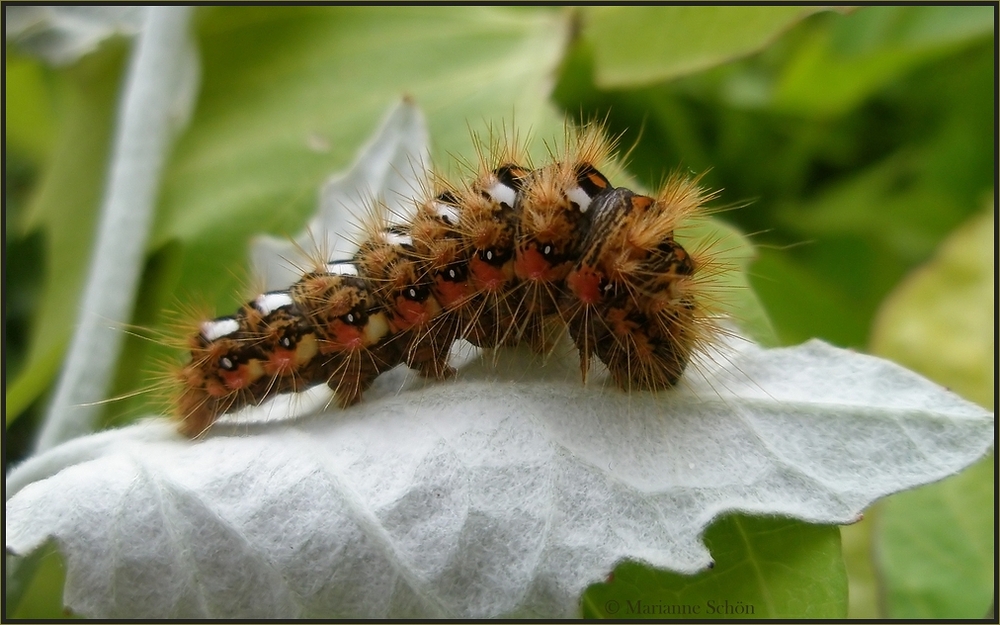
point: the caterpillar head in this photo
(630, 297)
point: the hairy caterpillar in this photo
(519, 254)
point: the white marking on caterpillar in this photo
(394, 238)
(270, 302)
(502, 193)
(342, 269)
(218, 328)
(580, 197)
(447, 212)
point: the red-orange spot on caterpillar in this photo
(532, 265)
(280, 362)
(410, 313)
(235, 380)
(345, 337)
(585, 283)
(450, 294)
(486, 276)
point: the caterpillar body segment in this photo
(354, 336)
(275, 326)
(488, 224)
(553, 221)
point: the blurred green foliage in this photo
(938, 322)
(853, 144)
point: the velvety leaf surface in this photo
(505, 493)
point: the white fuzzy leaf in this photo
(63, 34)
(158, 92)
(497, 494)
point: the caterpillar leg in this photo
(429, 347)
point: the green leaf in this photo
(764, 568)
(28, 112)
(860, 235)
(941, 320)
(42, 597)
(32, 382)
(887, 203)
(802, 304)
(935, 545)
(862, 580)
(642, 45)
(838, 68)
